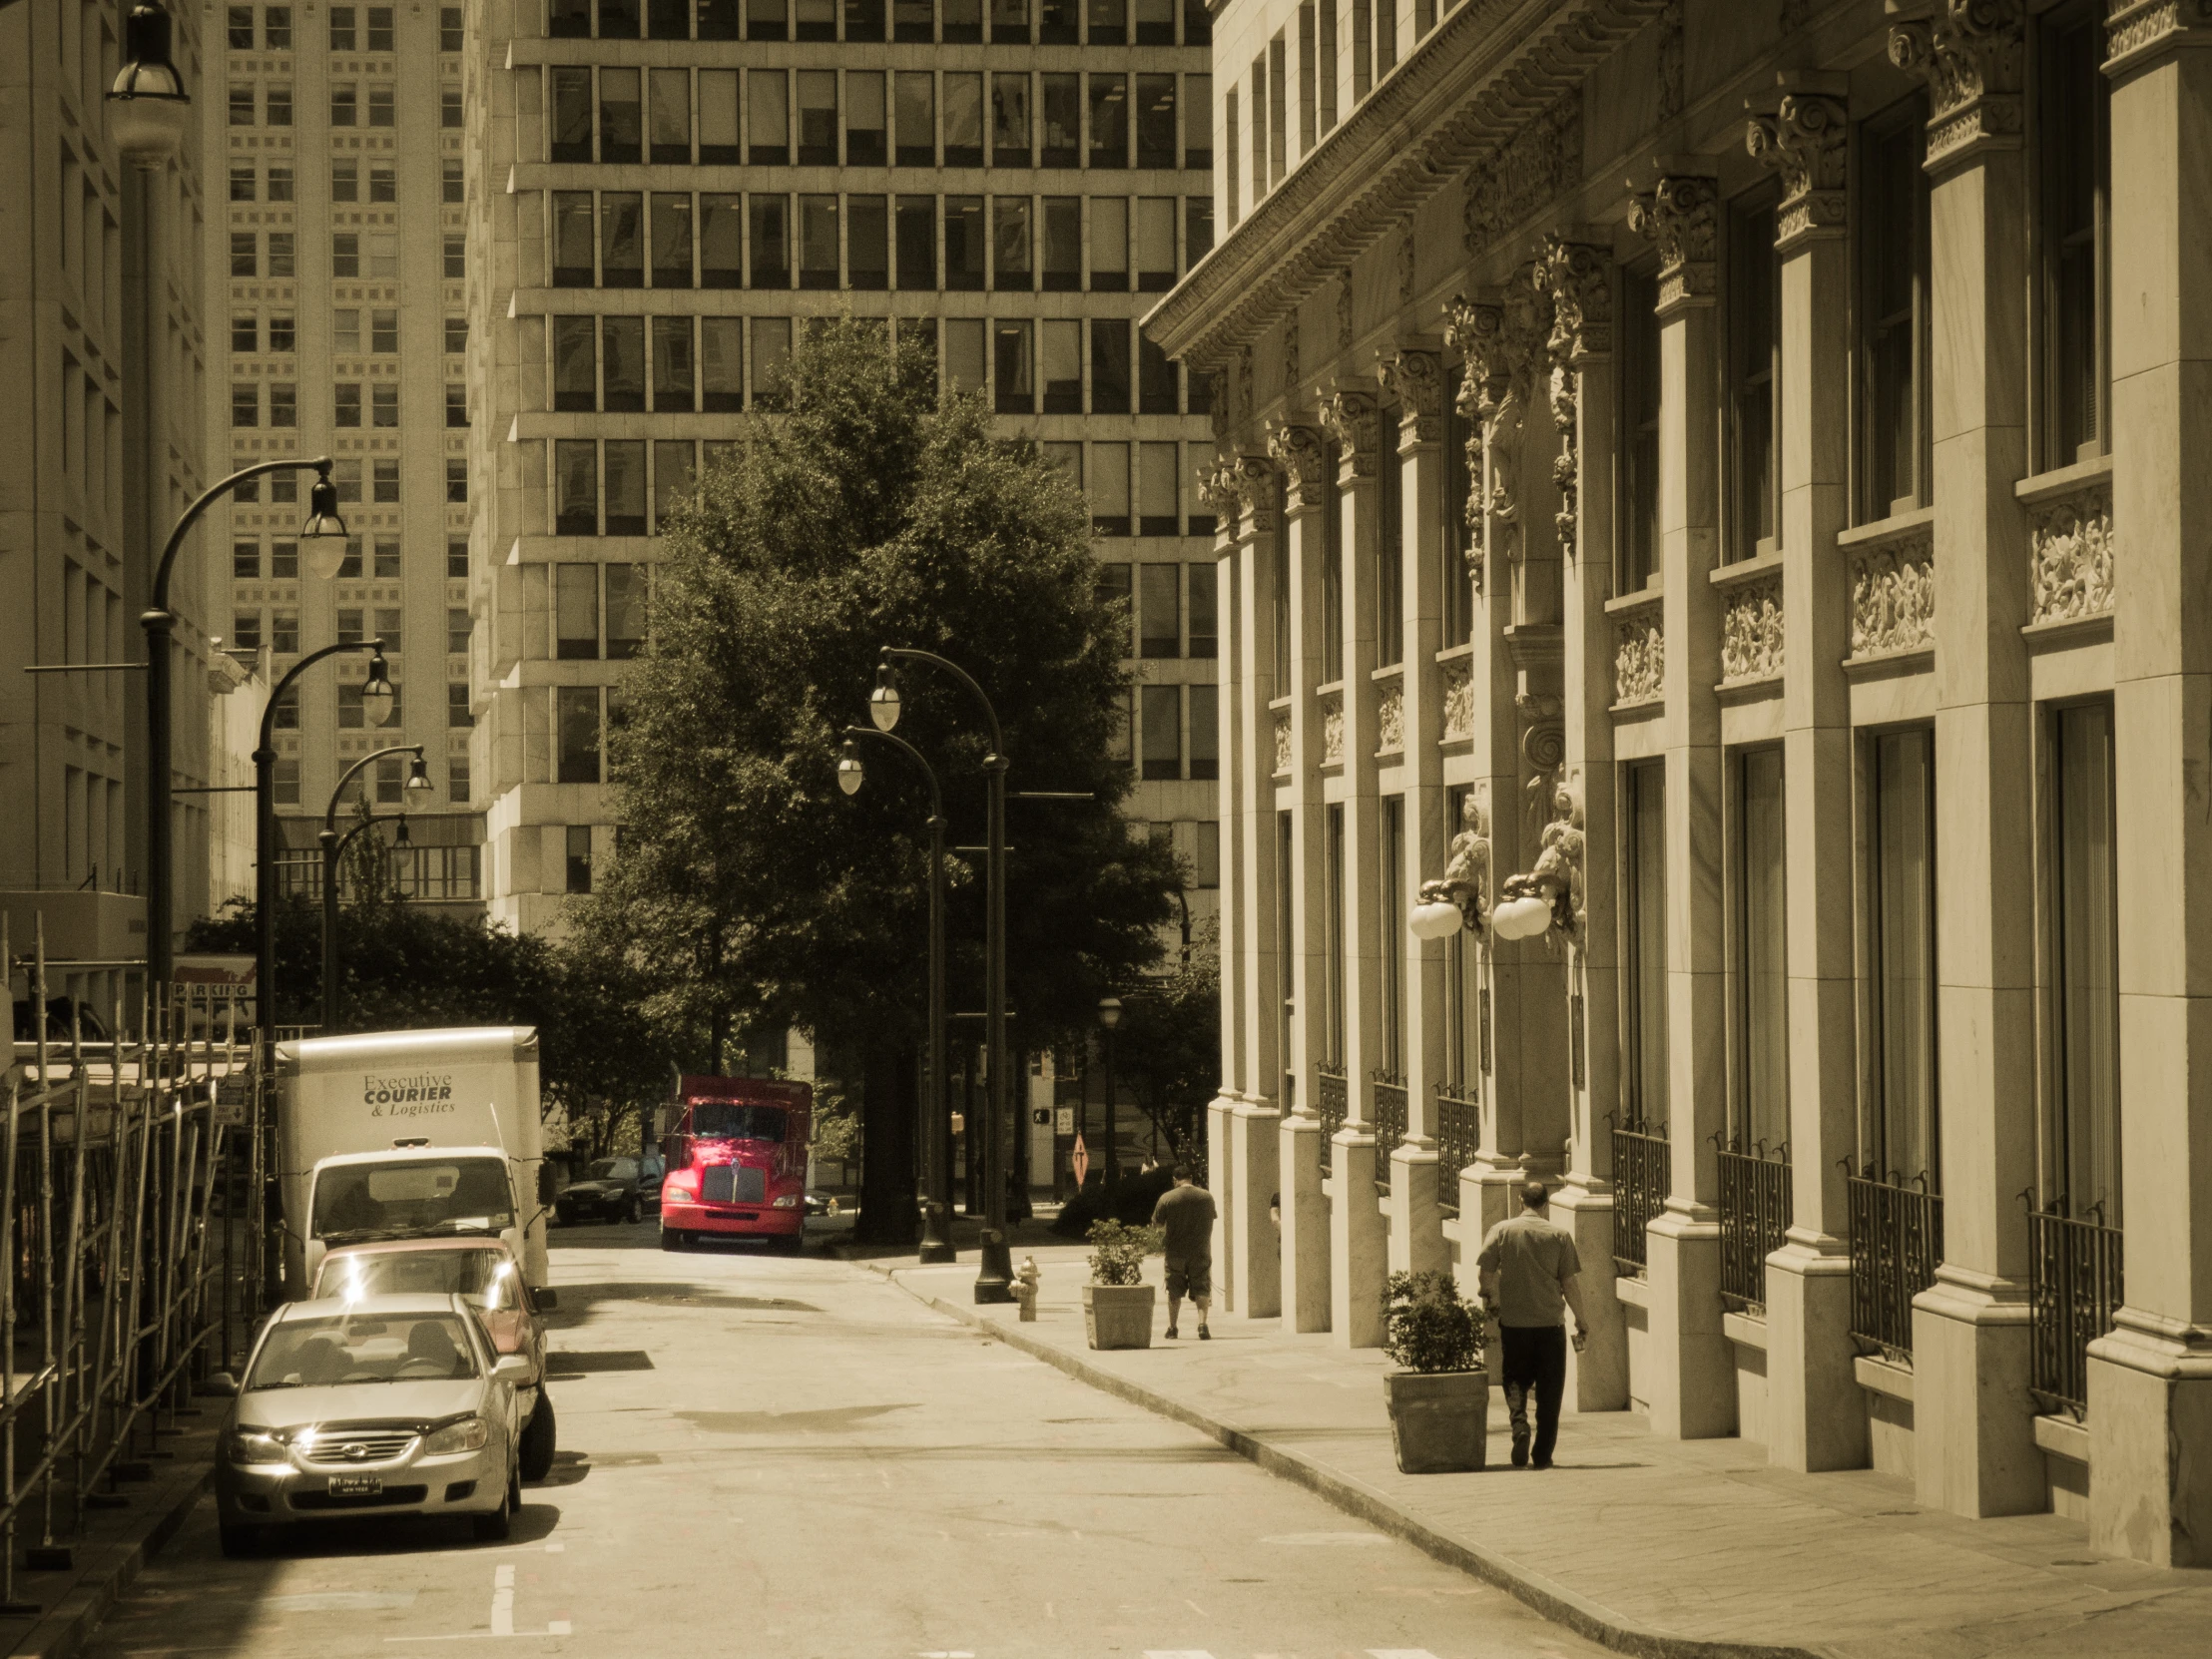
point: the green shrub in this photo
(1427, 1325)
(1118, 1252)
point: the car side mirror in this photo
(511, 1368)
(221, 1385)
(547, 1299)
(545, 1183)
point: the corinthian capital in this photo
(1572, 275)
(1416, 383)
(1675, 214)
(1971, 53)
(1255, 485)
(1299, 452)
(1217, 488)
(1806, 140)
(1349, 416)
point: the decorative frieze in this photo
(2070, 555)
(2135, 29)
(1577, 280)
(1291, 376)
(1344, 313)
(1416, 383)
(1389, 718)
(1458, 701)
(1893, 596)
(1406, 254)
(1971, 53)
(1670, 60)
(1499, 342)
(1299, 452)
(1331, 729)
(1751, 631)
(1281, 744)
(1807, 141)
(1639, 656)
(1677, 216)
(1350, 416)
(1219, 414)
(1538, 163)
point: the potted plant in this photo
(1440, 1403)
(1117, 1302)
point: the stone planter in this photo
(1118, 1316)
(1439, 1420)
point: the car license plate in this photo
(355, 1486)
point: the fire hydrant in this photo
(1025, 1289)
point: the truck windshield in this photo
(390, 1347)
(722, 1120)
(485, 1277)
(408, 1199)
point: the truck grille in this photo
(732, 1183)
(336, 1448)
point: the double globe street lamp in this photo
(333, 849)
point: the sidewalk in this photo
(1651, 1546)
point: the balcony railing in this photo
(1754, 1214)
(1639, 1194)
(1332, 1107)
(1390, 1124)
(2074, 1289)
(1896, 1238)
(1458, 1134)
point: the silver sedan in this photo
(386, 1405)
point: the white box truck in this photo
(409, 1134)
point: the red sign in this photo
(1081, 1160)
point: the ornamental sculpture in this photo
(1574, 276)
(1343, 316)
(1893, 597)
(1350, 416)
(1389, 719)
(1282, 745)
(1806, 140)
(1257, 483)
(1333, 729)
(1217, 406)
(1751, 631)
(1500, 342)
(2070, 555)
(1675, 214)
(1299, 452)
(1639, 657)
(1537, 164)
(1467, 878)
(1971, 53)
(1217, 490)
(1459, 702)
(1416, 381)
(1290, 359)
(1556, 879)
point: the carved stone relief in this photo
(1971, 53)
(2070, 555)
(1677, 216)
(1217, 490)
(1416, 381)
(1349, 415)
(1577, 278)
(1282, 745)
(1543, 747)
(1405, 266)
(1291, 376)
(1670, 60)
(1256, 479)
(1751, 631)
(1499, 342)
(1389, 719)
(1639, 657)
(1540, 161)
(1298, 450)
(1344, 314)
(1893, 597)
(1459, 702)
(1467, 878)
(1333, 729)
(1247, 407)
(1806, 140)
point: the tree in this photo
(1169, 1043)
(750, 895)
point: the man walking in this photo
(1186, 1215)
(1528, 1276)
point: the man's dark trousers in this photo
(1535, 1356)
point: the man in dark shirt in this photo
(1186, 1213)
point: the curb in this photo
(1543, 1595)
(112, 1566)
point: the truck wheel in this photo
(538, 1440)
(670, 1238)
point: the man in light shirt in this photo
(1528, 1271)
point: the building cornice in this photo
(1482, 74)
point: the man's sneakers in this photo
(1204, 1335)
(1520, 1448)
(1171, 1332)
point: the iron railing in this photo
(1389, 1123)
(1639, 1194)
(2073, 1290)
(1332, 1107)
(1896, 1239)
(1754, 1214)
(1458, 1136)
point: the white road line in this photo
(503, 1600)
(1400, 1653)
(1175, 1653)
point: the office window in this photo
(282, 337)
(1755, 360)
(625, 488)
(916, 113)
(456, 404)
(1060, 106)
(1205, 610)
(721, 242)
(568, 19)
(1010, 222)
(451, 186)
(245, 561)
(383, 404)
(1198, 125)
(455, 256)
(246, 631)
(456, 631)
(1109, 489)
(718, 19)
(576, 612)
(1155, 244)
(962, 22)
(818, 118)
(917, 243)
(2084, 1158)
(1761, 1116)
(352, 624)
(242, 106)
(1644, 920)
(280, 255)
(384, 331)
(575, 364)
(345, 331)
(1205, 735)
(380, 29)
(621, 122)
(1059, 22)
(1638, 560)
(1010, 22)
(283, 641)
(280, 187)
(1156, 489)
(1891, 228)
(818, 242)
(571, 115)
(239, 28)
(626, 596)
(768, 118)
(381, 110)
(1113, 589)
(767, 19)
(964, 120)
(576, 735)
(718, 116)
(242, 183)
(621, 239)
(1010, 120)
(964, 346)
(868, 254)
(1014, 381)
(1109, 118)
(673, 464)
(345, 181)
(384, 183)
(384, 481)
(1156, 392)
(449, 107)
(964, 242)
(456, 561)
(671, 364)
(246, 332)
(722, 363)
(1160, 609)
(344, 103)
(618, 19)
(1109, 22)
(1063, 244)
(450, 29)
(914, 20)
(575, 487)
(815, 20)
(771, 360)
(671, 240)
(1902, 1123)
(1110, 244)
(457, 713)
(246, 403)
(344, 36)
(1156, 121)
(242, 251)
(1060, 365)
(2075, 166)
(287, 783)
(1160, 717)
(867, 129)
(277, 110)
(573, 239)
(345, 254)
(387, 630)
(345, 477)
(384, 555)
(457, 781)
(667, 19)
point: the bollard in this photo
(1025, 1290)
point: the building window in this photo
(1208, 862)
(1891, 216)
(1900, 1138)
(384, 481)
(242, 183)
(383, 182)
(1013, 378)
(283, 639)
(2085, 1127)
(344, 103)
(576, 487)
(277, 108)
(281, 245)
(1110, 366)
(1638, 560)
(449, 28)
(1390, 921)
(449, 108)
(456, 561)
(345, 254)
(246, 403)
(457, 257)
(1109, 489)
(242, 106)
(245, 630)
(243, 260)
(577, 845)
(456, 404)
(1161, 718)
(245, 561)
(457, 781)
(239, 28)
(380, 110)
(380, 29)
(1159, 610)
(287, 783)
(576, 732)
(625, 612)
(2074, 152)
(1113, 589)
(963, 243)
(1205, 732)
(385, 557)
(346, 396)
(1390, 538)
(576, 612)
(1156, 121)
(1644, 918)
(622, 363)
(451, 184)
(1761, 1104)
(625, 487)
(383, 404)
(456, 478)
(1753, 372)
(456, 631)
(1109, 245)
(1108, 97)
(621, 239)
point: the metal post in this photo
(996, 1276)
(1113, 1143)
(329, 841)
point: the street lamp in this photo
(158, 621)
(418, 781)
(148, 105)
(936, 1148)
(1109, 1016)
(882, 703)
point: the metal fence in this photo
(1896, 1238)
(1458, 1137)
(1639, 1194)
(1754, 1214)
(128, 1215)
(1389, 1123)
(1332, 1107)
(2073, 1290)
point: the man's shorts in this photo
(1192, 1276)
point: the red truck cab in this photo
(737, 1161)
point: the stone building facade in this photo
(662, 190)
(1706, 490)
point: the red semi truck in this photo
(737, 1161)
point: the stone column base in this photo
(1304, 1275)
(1692, 1385)
(1417, 1242)
(1973, 1434)
(1222, 1180)
(1254, 1254)
(2150, 1441)
(1815, 1417)
(1356, 1247)
(1597, 1377)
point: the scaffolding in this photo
(131, 1221)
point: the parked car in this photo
(652, 1171)
(390, 1405)
(607, 1190)
(482, 1272)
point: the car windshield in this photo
(364, 1349)
(408, 1199)
(486, 1277)
(722, 1120)
(613, 1169)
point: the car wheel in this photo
(240, 1539)
(538, 1440)
(635, 1212)
(494, 1527)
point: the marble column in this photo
(2150, 1378)
(1815, 1417)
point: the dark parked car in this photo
(652, 1171)
(608, 1191)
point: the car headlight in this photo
(790, 1201)
(252, 1446)
(469, 1434)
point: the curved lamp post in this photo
(324, 536)
(148, 106)
(937, 1150)
(1109, 1016)
(333, 848)
(996, 1273)
(376, 701)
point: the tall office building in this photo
(340, 330)
(661, 191)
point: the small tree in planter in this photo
(1117, 1302)
(1441, 1401)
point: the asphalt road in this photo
(791, 1457)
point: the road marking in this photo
(340, 1601)
(1400, 1653)
(1193, 1607)
(503, 1600)
(1344, 1539)
(1175, 1653)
